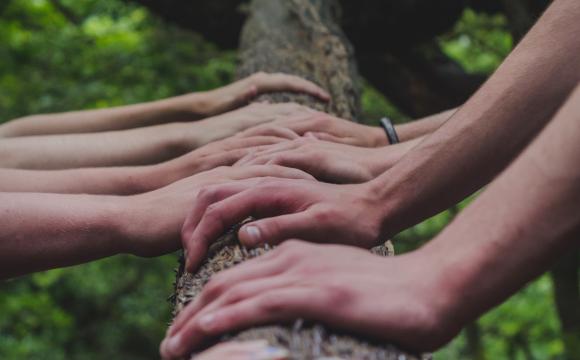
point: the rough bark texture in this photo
(299, 37)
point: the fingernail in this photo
(173, 344)
(253, 233)
(206, 322)
(271, 353)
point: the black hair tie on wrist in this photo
(387, 125)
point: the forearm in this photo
(96, 181)
(383, 158)
(117, 148)
(43, 231)
(491, 128)
(425, 126)
(516, 229)
(180, 108)
(412, 129)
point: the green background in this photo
(106, 53)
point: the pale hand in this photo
(246, 350)
(326, 127)
(327, 161)
(241, 92)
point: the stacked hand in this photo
(397, 300)
(327, 161)
(326, 127)
(150, 222)
(313, 211)
(241, 92)
(237, 121)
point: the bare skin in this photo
(514, 231)
(130, 180)
(247, 350)
(141, 146)
(330, 161)
(464, 154)
(40, 231)
(176, 109)
(330, 128)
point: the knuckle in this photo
(206, 194)
(292, 249)
(213, 212)
(325, 215)
(336, 293)
(215, 286)
(236, 294)
(271, 304)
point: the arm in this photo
(133, 179)
(425, 126)
(43, 231)
(180, 108)
(142, 146)
(493, 126)
(509, 235)
(463, 155)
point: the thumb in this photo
(274, 230)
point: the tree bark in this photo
(299, 37)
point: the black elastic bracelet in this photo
(389, 130)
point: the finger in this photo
(253, 141)
(274, 230)
(278, 305)
(226, 158)
(261, 266)
(286, 82)
(243, 291)
(269, 130)
(217, 216)
(235, 350)
(331, 138)
(251, 160)
(221, 293)
(256, 171)
(307, 163)
(194, 252)
(280, 147)
(251, 92)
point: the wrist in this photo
(117, 223)
(144, 230)
(444, 302)
(381, 159)
(193, 105)
(388, 203)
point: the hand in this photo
(152, 221)
(246, 350)
(241, 92)
(327, 161)
(326, 127)
(223, 152)
(202, 132)
(313, 211)
(402, 299)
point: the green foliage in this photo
(479, 42)
(111, 54)
(102, 53)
